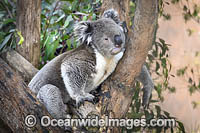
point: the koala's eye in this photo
(106, 38)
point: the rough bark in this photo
(138, 44)
(28, 23)
(17, 102)
(20, 64)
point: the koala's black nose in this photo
(118, 40)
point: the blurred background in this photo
(184, 37)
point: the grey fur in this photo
(75, 73)
(50, 96)
(111, 13)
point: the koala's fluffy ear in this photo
(83, 31)
(111, 13)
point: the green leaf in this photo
(5, 41)
(172, 89)
(154, 101)
(181, 72)
(9, 20)
(192, 89)
(166, 114)
(69, 44)
(158, 89)
(53, 48)
(61, 17)
(190, 80)
(185, 8)
(136, 95)
(94, 16)
(12, 30)
(46, 41)
(158, 109)
(65, 37)
(68, 20)
(163, 60)
(181, 126)
(75, 5)
(162, 41)
(138, 105)
(21, 37)
(2, 36)
(157, 66)
(84, 18)
(150, 57)
(50, 49)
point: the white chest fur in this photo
(104, 67)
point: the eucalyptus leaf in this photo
(5, 41)
(61, 17)
(21, 38)
(68, 20)
(9, 20)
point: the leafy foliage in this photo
(158, 60)
(158, 63)
(154, 112)
(162, 3)
(8, 33)
(190, 77)
(58, 18)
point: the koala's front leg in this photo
(75, 82)
(148, 85)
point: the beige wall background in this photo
(182, 53)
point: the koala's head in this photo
(106, 34)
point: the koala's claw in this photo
(87, 97)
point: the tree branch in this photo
(17, 101)
(20, 64)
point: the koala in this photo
(74, 74)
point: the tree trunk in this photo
(28, 23)
(17, 101)
(121, 83)
(139, 42)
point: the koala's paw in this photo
(147, 90)
(111, 13)
(87, 97)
